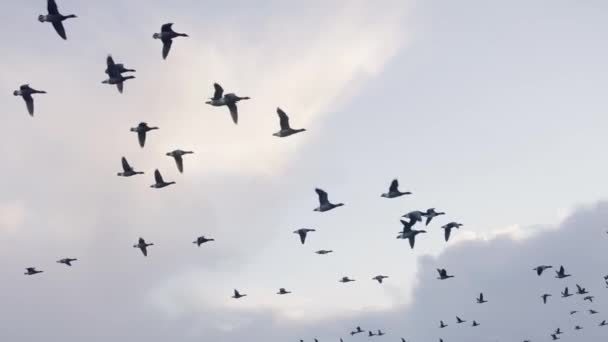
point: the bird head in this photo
(41, 18)
(16, 92)
(156, 36)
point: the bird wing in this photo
(302, 234)
(447, 232)
(144, 249)
(111, 66)
(125, 165)
(29, 102)
(412, 240)
(539, 270)
(166, 47)
(166, 27)
(233, 112)
(428, 220)
(30, 269)
(179, 162)
(58, 25)
(283, 118)
(562, 270)
(51, 6)
(394, 186)
(157, 176)
(141, 136)
(322, 196)
(120, 86)
(219, 91)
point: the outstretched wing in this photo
(412, 240)
(166, 27)
(394, 186)
(180, 163)
(166, 47)
(323, 200)
(141, 136)
(302, 236)
(234, 113)
(125, 165)
(29, 103)
(219, 91)
(284, 119)
(157, 177)
(447, 232)
(51, 6)
(120, 86)
(58, 25)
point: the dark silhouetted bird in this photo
(26, 92)
(166, 35)
(55, 18)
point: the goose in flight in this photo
(179, 161)
(346, 280)
(370, 334)
(589, 298)
(380, 333)
(324, 203)
(443, 274)
(229, 100)
(286, 130)
(55, 18)
(127, 170)
(26, 92)
(393, 190)
(32, 271)
(539, 269)
(141, 130)
(166, 35)
(558, 331)
(480, 300)
(448, 229)
(603, 323)
(143, 246)
(237, 295)
(282, 291)
(414, 216)
(324, 251)
(442, 325)
(379, 278)
(592, 312)
(430, 214)
(160, 182)
(554, 337)
(358, 330)
(66, 261)
(544, 297)
(115, 72)
(302, 232)
(409, 233)
(201, 240)
(566, 293)
(475, 323)
(459, 320)
(580, 290)
(578, 327)
(561, 273)
(573, 312)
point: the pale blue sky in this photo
(492, 112)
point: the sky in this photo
(492, 112)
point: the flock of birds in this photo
(409, 220)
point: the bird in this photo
(229, 100)
(177, 155)
(357, 331)
(430, 214)
(558, 331)
(324, 203)
(115, 72)
(565, 293)
(442, 325)
(237, 295)
(414, 216)
(55, 18)
(592, 312)
(544, 297)
(379, 278)
(603, 323)
(303, 232)
(370, 334)
(554, 337)
(443, 274)
(580, 290)
(393, 190)
(286, 130)
(561, 273)
(589, 298)
(448, 229)
(346, 280)
(324, 251)
(127, 170)
(578, 327)
(143, 246)
(26, 92)
(141, 130)
(113, 68)
(539, 269)
(480, 300)
(459, 320)
(201, 240)
(380, 333)
(160, 182)
(282, 291)
(166, 35)
(32, 271)
(403, 340)
(475, 323)
(573, 312)
(66, 261)
(409, 233)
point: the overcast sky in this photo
(492, 112)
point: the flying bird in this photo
(480, 300)
(201, 240)
(554, 337)
(282, 291)
(566, 293)
(179, 161)
(430, 214)
(141, 130)
(393, 190)
(324, 251)
(409, 233)
(442, 325)
(127, 170)
(379, 278)
(302, 232)
(544, 297)
(578, 327)
(26, 92)
(459, 320)
(66, 261)
(573, 312)
(115, 72)
(324, 203)
(229, 100)
(580, 290)
(55, 18)
(286, 130)
(160, 182)
(237, 295)
(448, 229)
(475, 323)
(592, 312)
(370, 334)
(346, 280)
(443, 274)
(539, 269)
(358, 330)
(32, 271)
(414, 216)
(380, 333)
(561, 273)
(166, 35)
(143, 246)
(603, 323)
